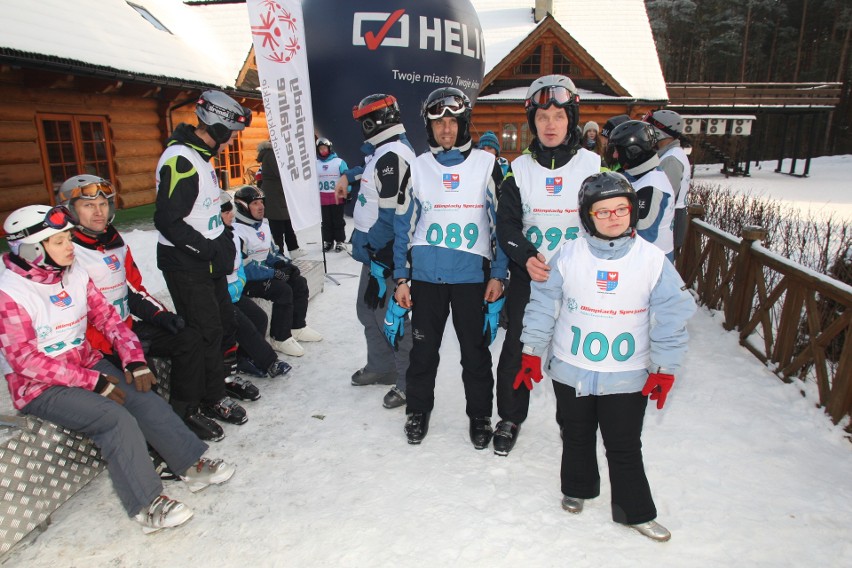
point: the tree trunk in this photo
(801, 41)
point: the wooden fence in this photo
(796, 320)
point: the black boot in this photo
(416, 427)
(505, 436)
(206, 429)
(480, 432)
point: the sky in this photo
(745, 470)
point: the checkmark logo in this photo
(372, 40)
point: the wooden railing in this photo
(797, 321)
(753, 94)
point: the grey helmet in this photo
(667, 123)
(28, 227)
(86, 186)
(556, 90)
(221, 114)
(605, 185)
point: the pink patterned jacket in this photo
(33, 371)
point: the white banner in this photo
(278, 33)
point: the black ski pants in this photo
(282, 232)
(432, 305)
(251, 333)
(333, 225)
(513, 405)
(289, 303)
(620, 418)
(205, 305)
(187, 382)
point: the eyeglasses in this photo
(388, 101)
(452, 104)
(90, 191)
(618, 212)
(557, 94)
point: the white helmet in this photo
(667, 123)
(222, 115)
(27, 227)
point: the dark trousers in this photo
(432, 304)
(620, 418)
(333, 225)
(513, 405)
(205, 305)
(289, 303)
(282, 231)
(187, 382)
(251, 333)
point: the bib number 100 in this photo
(596, 346)
(455, 235)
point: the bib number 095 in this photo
(553, 236)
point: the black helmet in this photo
(635, 142)
(221, 114)
(244, 195)
(376, 113)
(605, 185)
(556, 90)
(448, 101)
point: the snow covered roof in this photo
(616, 33)
(197, 46)
(209, 43)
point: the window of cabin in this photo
(526, 136)
(73, 145)
(509, 143)
(561, 64)
(531, 65)
(229, 164)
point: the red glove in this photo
(530, 371)
(658, 386)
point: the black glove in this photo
(376, 292)
(281, 264)
(281, 274)
(169, 321)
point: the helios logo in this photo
(435, 34)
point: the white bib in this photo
(238, 258)
(58, 311)
(328, 174)
(454, 205)
(549, 199)
(107, 271)
(366, 211)
(678, 153)
(205, 216)
(604, 321)
(665, 235)
(257, 241)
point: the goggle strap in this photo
(357, 113)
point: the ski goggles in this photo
(451, 104)
(90, 191)
(57, 217)
(358, 113)
(553, 95)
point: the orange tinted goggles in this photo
(91, 191)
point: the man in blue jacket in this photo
(445, 258)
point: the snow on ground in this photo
(744, 470)
(827, 190)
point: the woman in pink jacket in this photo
(46, 301)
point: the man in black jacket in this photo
(194, 252)
(538, 212)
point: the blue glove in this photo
(374, 295)
(395, 323)
(492, 318)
